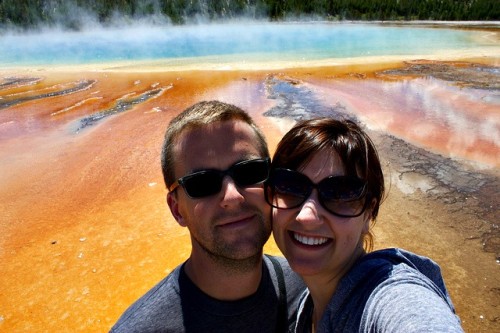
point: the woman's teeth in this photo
(309, 240)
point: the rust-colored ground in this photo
(85, 230)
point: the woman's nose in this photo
(310, 211)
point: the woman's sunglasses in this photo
(208, 182)
(343, 196)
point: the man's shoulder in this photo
(294, 283)
(163, 291)
(272, 260)
(159, 303)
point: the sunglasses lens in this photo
(203, 183)
(343, 196)
(287, 189)
(341, 188)
(209, 182)
(250, 172)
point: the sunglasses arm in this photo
(175, 185)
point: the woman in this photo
(326, 186)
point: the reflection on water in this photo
(123, 104)
(443, 117)
(31, 95)
(424, 113)
(85, 227)
(295, 100)
(18, 81)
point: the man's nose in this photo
(231, 193)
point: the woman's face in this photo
(314, 241)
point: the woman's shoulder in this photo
(410, 295)
(391, 284)
(396, 262)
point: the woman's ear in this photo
(368, 216)
(173, 204)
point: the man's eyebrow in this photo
(248, 157)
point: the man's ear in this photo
(173, 204)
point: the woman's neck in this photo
(322, 287)
(321, 293)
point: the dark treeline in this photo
(75, 14)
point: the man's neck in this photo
(222, 281)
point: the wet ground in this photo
(463, 74)
(460, 187)
(85, 227)
(429, 193)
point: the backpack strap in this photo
(282, 322)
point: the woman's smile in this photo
(310, 240)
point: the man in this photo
(215, 161)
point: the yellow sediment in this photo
(85, 227)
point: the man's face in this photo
(235, 222)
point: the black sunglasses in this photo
(209, 182)
(343, 196)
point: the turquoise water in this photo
(251, 41)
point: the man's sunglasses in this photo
(343, 196)
(208, 182)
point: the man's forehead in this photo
(231, 130)
(215, 145)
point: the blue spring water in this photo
(247, 42)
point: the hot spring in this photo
(85, 229)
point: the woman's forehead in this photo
(323, 163)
